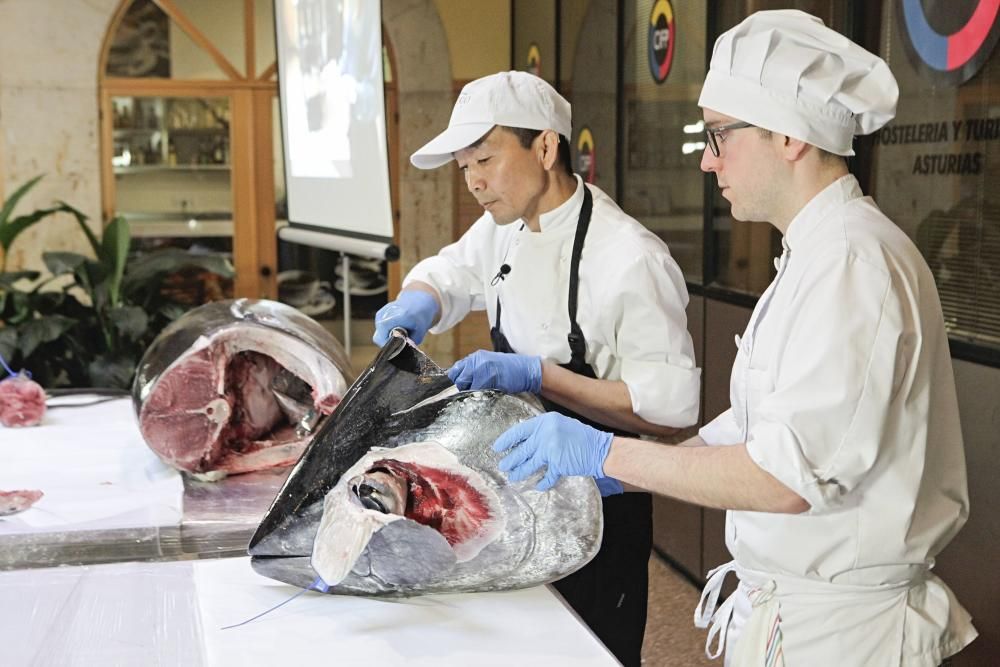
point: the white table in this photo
(173, 614)
(94, 468)
(109, 498)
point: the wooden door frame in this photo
(251, 148)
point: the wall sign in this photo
(535, 59)
(586, 161)
(660, 40)
(973, 131)
(954, 58)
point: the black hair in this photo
(525, 137)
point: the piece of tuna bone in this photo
(222, 390)
(13, 502)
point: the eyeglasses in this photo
(717, 134)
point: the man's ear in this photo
(548, 148)
(794, 149)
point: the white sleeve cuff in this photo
(663, 393)
(723, 430)
(775, 449)
(456, 288)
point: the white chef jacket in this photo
(843, 390)
(630, 304)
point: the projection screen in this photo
(333, 124)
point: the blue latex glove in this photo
(609, 486)
(563, 445)
(512, 373)
(413, 310)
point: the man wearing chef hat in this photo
(586, 309)
(840, 459)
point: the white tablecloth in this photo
(94, 469)
(172, 614)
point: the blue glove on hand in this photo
(413, 310)
(512, 373)
(563, 445)
(609, 486)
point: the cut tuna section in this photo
(12, 502)
(22, 401)
(423, 482)
(235, 387)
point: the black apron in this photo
(610, 592)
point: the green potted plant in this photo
(87, 323)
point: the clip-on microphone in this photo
(501, 274)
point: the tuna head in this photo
(237, 386)
(399, 494)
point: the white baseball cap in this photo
(511, 99)
(785, 71)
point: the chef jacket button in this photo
(738, 340)
(545, 326)
(777, 264)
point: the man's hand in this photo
(413, 310)
(512, 373)
(563, 445)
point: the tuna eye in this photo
(366, 494)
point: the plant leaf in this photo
(114, 253)
(8, 345)
(111, 372)
(130, 321)
(92, 277)
(59, 263)
(82, 220)
(11, 202)
(8, 279)
(171, 311)
(17, 308)
(42, 330)
(10, 230)
(156, 264)
(48, 302)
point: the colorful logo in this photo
(534, 60)
(586, 157)
(660, 41)
(949, 59)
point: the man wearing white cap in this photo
(586, 309)
(840, 460)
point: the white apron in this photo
(748, 625)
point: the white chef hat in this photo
(512, 99)
(786, 72)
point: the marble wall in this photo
(49, 115)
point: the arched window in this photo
(190, 154)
